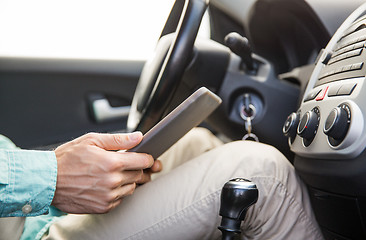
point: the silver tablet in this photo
(177, 123)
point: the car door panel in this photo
(48, 101)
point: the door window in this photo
(91, 29)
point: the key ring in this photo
(244, 115)
(250, 136)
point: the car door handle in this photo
(103, 111)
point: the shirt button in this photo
(26, 208)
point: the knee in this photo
(201, 137)
(255, 159)
(243, 150)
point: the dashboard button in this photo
(322, 94)
(346, 89)
(333, 90)
(312, 95)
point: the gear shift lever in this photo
(236, 197)
(241, 47)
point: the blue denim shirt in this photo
(27, 180)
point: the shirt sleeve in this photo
(27, 180)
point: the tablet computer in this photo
(189, 114)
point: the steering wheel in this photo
(162, 74)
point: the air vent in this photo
(355, 27)
(360, 27)
(348, 57)
(352, 42)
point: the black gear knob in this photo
(236, 197)
(241, 47)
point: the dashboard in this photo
(327, 132)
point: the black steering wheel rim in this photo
(161, 76)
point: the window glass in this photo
(99, 29)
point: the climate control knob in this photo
(337, 123)
(290, 125)
(308, 125)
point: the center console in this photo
(328, 133)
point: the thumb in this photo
(117, 141)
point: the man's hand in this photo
(155, 168)
(92, 179)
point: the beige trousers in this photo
(184, 203)
(11, 228)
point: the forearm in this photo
(27, 182)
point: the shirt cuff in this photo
(31, 182)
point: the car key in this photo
(248, 128)
(247, 113)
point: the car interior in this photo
(289, 72)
